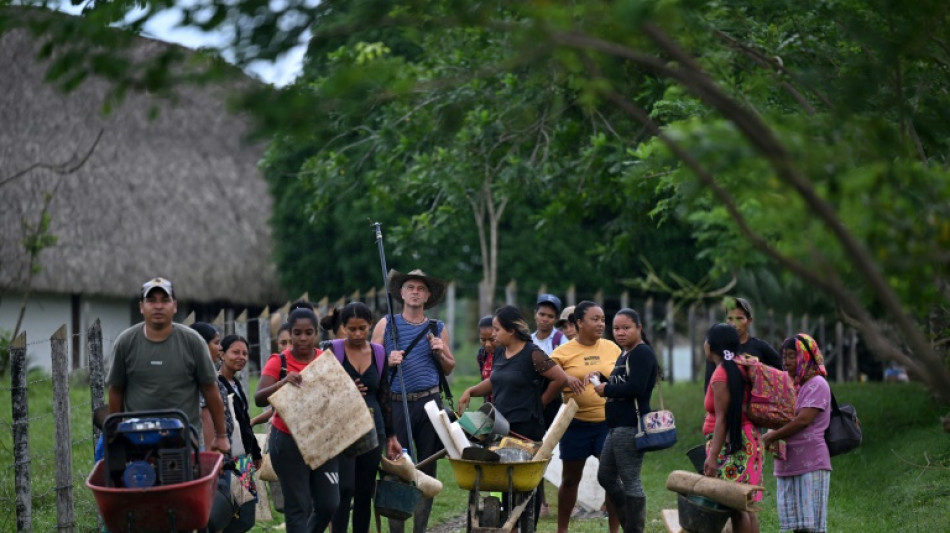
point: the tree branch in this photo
(66, 167)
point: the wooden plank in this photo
(671, 519)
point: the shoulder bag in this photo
(844, 429)
(655, 430)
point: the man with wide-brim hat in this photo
(421, 352)
(436, 286)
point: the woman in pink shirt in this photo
(733, 452)
(804, 476)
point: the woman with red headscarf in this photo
(804, 475)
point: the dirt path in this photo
(451, 525)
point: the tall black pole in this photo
(394, 336)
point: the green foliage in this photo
(863, 136)
(37, 237)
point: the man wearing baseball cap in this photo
(547, 338)
(158, 364)
(545, 314)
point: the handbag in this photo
(844, 429)
(266, 472)
(655, 430)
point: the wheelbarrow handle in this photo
(434, 457)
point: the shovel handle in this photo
(434, 457)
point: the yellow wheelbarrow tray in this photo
(523, 476)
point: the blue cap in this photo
(549, 299)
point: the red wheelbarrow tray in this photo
(152, 507)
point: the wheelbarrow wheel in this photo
(491, 512)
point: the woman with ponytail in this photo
(733, 451)
(629, 386)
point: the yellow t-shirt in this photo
(578, 360)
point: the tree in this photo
(807, 137)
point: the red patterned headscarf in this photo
(808, 360)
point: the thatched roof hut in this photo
(178, 195)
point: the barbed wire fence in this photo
(52, 443)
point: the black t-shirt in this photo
(514, 384)
(757, 347)
(622, 388)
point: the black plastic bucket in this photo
(697, 517)
(697, 456)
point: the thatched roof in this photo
(179, 195)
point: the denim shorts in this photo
(582, 439)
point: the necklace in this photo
(411, 323)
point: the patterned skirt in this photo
(803, 501)
(743, 465)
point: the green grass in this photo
(897, 481)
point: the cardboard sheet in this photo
(736, 495)
(326, 413)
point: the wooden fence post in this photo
(511, 293)
(64, 451)
(371, 300)
(839, 352)
(789, 328)
(96, 375)
(21, 435)
(771, 318)
(599, 298)
(450, 312)
(572, 295)
(853, 356)
(240, 328)
(263, 335)
(624, 299)
(648, 317)
(670, 338)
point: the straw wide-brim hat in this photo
(436, 286)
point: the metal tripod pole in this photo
(394, 337)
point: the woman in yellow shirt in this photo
(587, 353)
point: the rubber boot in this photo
(618, 501)
(636, 514)
(420, 516)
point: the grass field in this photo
(898, 481)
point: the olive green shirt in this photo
(162, 375)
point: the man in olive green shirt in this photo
(158, 364)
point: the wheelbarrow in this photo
(518, 479)
(152, 478)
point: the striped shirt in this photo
(418, 367)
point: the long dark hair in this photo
(723, 338)
(354, 310)
(633, 315)
(510, 319)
